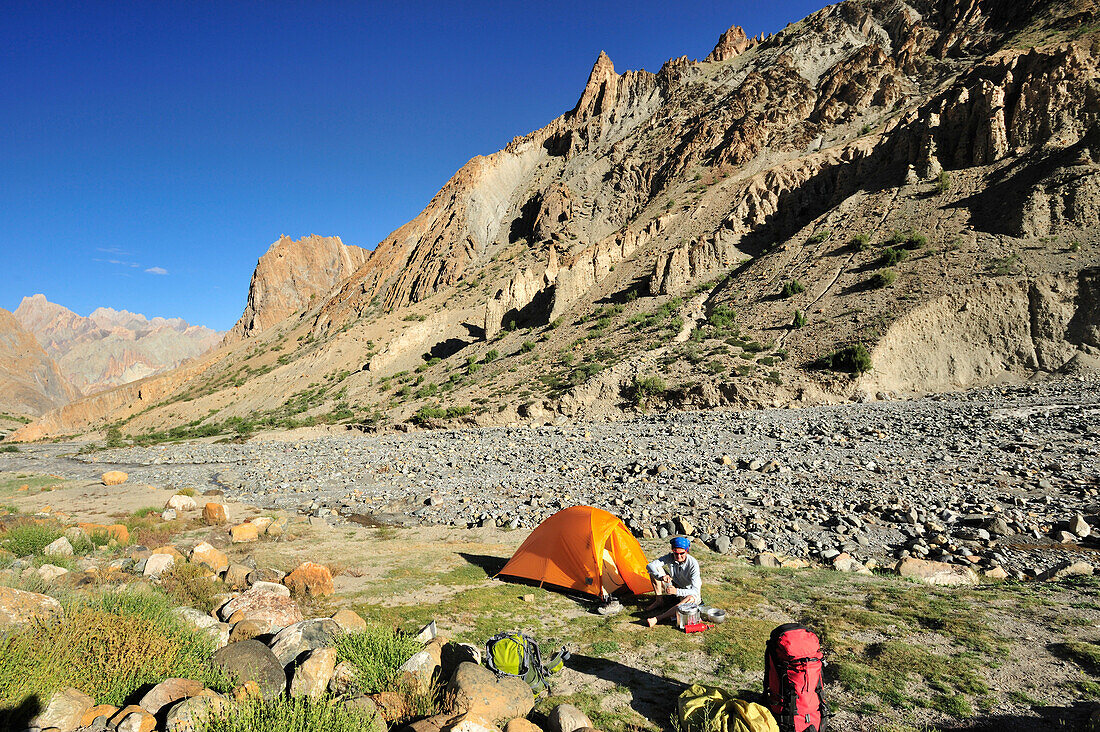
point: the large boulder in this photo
(181, 502)
(158, 564)
(251, 660)
(265, 605)
(244, 532)
(114, 477)
(308, 635)
(937, 573)
(477, 691)
(206, 554)
(64, 710)
(312, 676)
(213, 514)
(169, 692)
(309, 579)
(20, 608)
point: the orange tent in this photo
(584, 549)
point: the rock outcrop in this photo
(31, 383)
(291, 276)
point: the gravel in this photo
(992, 477)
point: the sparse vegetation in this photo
(943, 182)
(1006, 265)
(792, 288)
(644, 388)
(376, 653)
(860, 243)
(850, 359)
(799, 319)
(885, 278)
(819, 237)
(892, 256)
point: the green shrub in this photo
(490, 356)
(414, 317)
(424, 414)
(8, 448)
(819, 237)
(716, 367)
(108, 646)
(799, 319)
(643, 388)
(697, 335)
(792, 288)
(26, 539)
(188, 585)
(943, 182)
(527, 347)
(722, 317)
(860, 242)
(1073, 247)
(885, 278)
(850, 359)
(376, 653)
(892, 256)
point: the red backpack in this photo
(793, 665)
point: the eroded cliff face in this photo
(290, 276)
(30, 381)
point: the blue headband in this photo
(681, 542)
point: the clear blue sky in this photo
(152, 151)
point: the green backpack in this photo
(517, 654)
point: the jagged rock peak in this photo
(290, 275)
(603, 76)
(733, 43)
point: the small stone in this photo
(1067, 569)
(350, 621)
(766, 559)
(101, 712)
(244, 532)
(114, 477)
(527, 598)
(937, 573)
(50, 572)
(59, 548)
(722, 545)
(132, 719)
(168, 514)
(567, 718)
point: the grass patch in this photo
(27, 539)
(286, 714)
(108, 646)
(792, 288)
(885, 278)
(376, 653)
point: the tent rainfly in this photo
(584, 549)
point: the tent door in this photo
(611, 580)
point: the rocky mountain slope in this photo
(30, 381)
(110, 347)
(884, 198)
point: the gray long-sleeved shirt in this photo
(686, 577)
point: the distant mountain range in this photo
(105, 349)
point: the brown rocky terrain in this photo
(919, 180)
(30, 381)
(110, 347)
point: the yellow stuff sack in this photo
(711, 709)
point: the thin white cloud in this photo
(157, 270)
